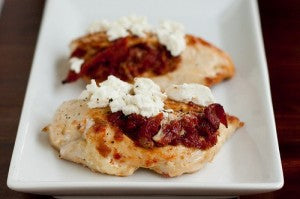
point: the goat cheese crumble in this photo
(75, 64)
(136, 25)
(99, 26)
(143, 97)
(170, 34)
(196, 93)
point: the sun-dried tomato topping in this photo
(193, 129)
(171, 132)
(137, 127)
(195, 135)
(72, 77)
(125, 58)
(148, 130)
(108, 60)
(200, 128)
(215, 114)
(78, 52)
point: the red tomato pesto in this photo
(193, 129)
(125, 58)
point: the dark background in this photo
(280, 19)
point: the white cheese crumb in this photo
(144, 97)
(138, 25)
(169, 33)
(99, 26)
(90, 89)
(147, 99)
(146, 85)
(116, 31)
(75, 64)
(195, 93)
(107, 91)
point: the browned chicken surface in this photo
(85, 136)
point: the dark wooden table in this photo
(19, 25)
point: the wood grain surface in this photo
(280, 19)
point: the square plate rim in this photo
(34, 186)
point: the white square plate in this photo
(248, 163)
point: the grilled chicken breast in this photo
(83, 135)
(130, 57)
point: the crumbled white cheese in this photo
(143, 97)
(75, 64)
(146, 85)
(195, 93)
(90, 89)
(116, 31)
(136, 25)
(169, 33)
(107, 91)
(147, 99)
(99, 26)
